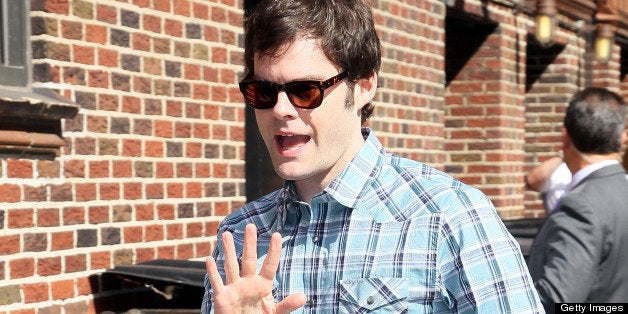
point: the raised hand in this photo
(244, 290)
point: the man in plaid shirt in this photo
(354, 229)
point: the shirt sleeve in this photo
(481, 265)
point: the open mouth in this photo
(292, 141)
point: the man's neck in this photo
(585, 160)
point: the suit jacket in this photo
(580, 253)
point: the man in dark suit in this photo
(580, 253)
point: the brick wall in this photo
(152, 161)
(155, 157)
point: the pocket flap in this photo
(372, 293)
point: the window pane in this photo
(13, 49)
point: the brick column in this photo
(484, 113)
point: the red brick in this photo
(191, 71)
(99, 169)
(193, 150)
(200, 91)
(165, 212)
(202, 170)
(132, 191)
(154, 191)
(166, 252)
(73, 215)
(131, 104)
(61, 193)
(62, 241)
(48, 217)
(21, 268)
(173, 28)
(184, 170)
(48, 169)
(57, 6)
(144, 212)
(174, 109)
(174, 232)
(96, 34)
(185, 251)
(152, 23)
(83, 55)
(84, 287)
(165, 170)
(182, 8)
(153, 149)
(9, 244)
(20, 218)
(74, 169)
(98, 78)
(63, 289)
(122, 169)
(98, 214)
(36, 292)
(109, 191)
(10, 193)
(153, 233)
(75, 263)
(194, 230)
(17, 168)
(194, 190)
(49, 266)
(164, 129)
(133, 234)
(140, 42)
(85, 192)
(200, 11)
(144, 254)
(100, 260)
(107, 13)
(203, 249)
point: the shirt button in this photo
(316, 239)
(370, 300)
(310, 303)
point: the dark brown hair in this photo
(345, 29)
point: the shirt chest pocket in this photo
(374, 295)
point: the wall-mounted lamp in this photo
(604, 38)
(545, 21)
(606, 18)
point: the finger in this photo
(291, 303)
(232, 269)
(271, 262)
(213, 275)
(249, 252)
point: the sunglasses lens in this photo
(260, 96)
(304, 94)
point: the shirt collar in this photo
(349, 186)
(586, 171)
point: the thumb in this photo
(291, 303)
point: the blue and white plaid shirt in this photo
(388, 235)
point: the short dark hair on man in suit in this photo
(595, 120)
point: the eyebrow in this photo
(306, 78)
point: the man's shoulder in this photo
(408, 188)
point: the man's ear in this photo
(364, 90)
(565, 139)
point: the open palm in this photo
(245, 291)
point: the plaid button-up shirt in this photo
(388, 235)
